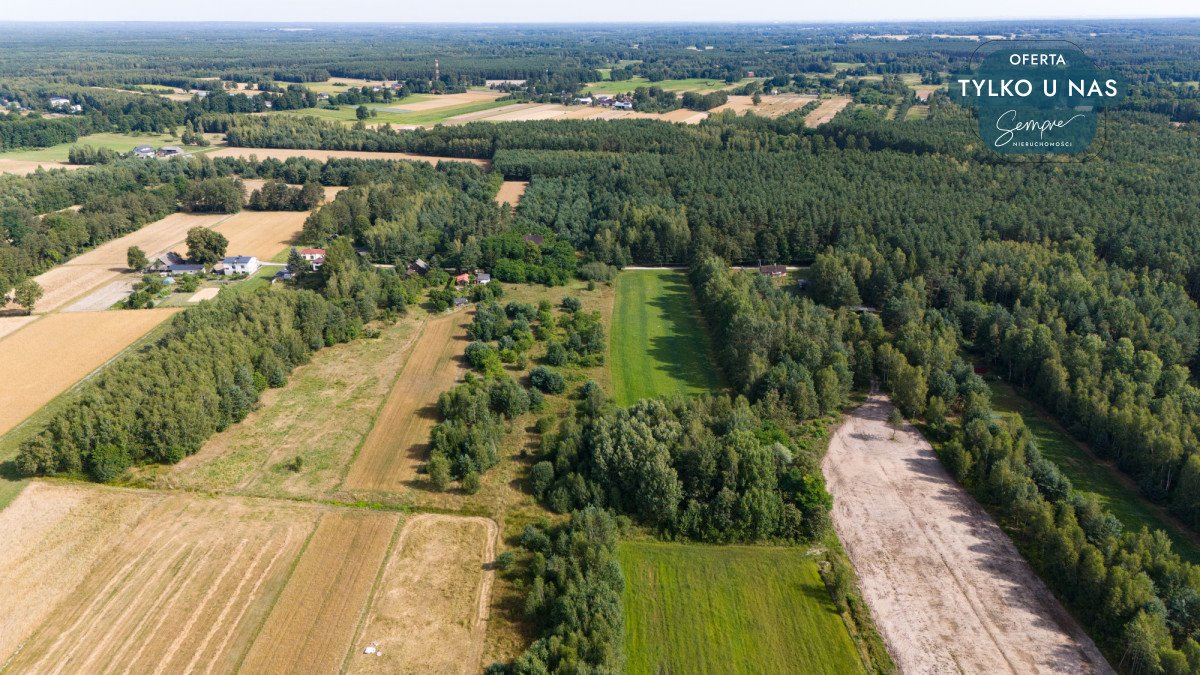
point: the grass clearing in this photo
(1089, 474)
(698, 84)
(716, 609)
(659, 345)
(110, 141)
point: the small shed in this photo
(772, 270)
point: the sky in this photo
(486, 11)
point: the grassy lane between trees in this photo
(715, 609)
(1088, 474)
(659, 344)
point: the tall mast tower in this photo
(437, 70)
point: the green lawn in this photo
(730, 609)
(116, 142)
(659, 345)
(1089, 475)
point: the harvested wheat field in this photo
(163, 583)
(103, 264)
(399, 440)
(323, 155)
(489, 113)
(10, 324)
(262, 233)
(446, 101)
(48, 356)
(828, 109)
(511, 192)
(430, 611)
(24, 167)
(104, 297)
(947, 589)
(312, 626)
(204, 294)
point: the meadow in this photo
(1089, 474)
(114, 142)
(659, 345)
(715, 609)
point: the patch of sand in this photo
(511, 192)
(828, 109)
(947, 589)
(204, 294)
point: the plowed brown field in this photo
(430, 611)
(511, 192)
(399, 441)
(311, 628)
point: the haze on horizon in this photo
(546, 11)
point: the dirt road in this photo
(945, 585)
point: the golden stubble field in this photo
(105, 579)
(49, 355)
(261, 233)
(100, 579)
(399, 441)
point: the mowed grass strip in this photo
(1088, 474)
(659, 345)
(729, 609)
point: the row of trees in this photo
(275, 195)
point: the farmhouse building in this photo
(462, 279)
(239, 264)
(584, 100)
(418, 266)
(772, 270)
(314, 256)
(143, 152)
(170, 151)
(623, 105)
(59, 102)
(483, 278)
(460, 302)
(186, 268)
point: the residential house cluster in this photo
(605, 101)
(150, 152)
(478, 277)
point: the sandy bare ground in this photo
(828, 109)
(446, 101)
(204, 294)
(399, 441)
(103, 264)
(430, 611)
(312, 626)
(511, 192)
(947, 588)
(104, 297)
(10, 324)
(770, 106)
(48, 356)
(262, 233)
(166, 583)
(924, 90)
(24, 167)
(323, 155)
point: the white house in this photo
(623, 105)
(59, 102)
(170, 151)
(314, 257)
(585, 100)
(239, 264)
(143, 152)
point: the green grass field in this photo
(116, 142)
(1088, 475)
(730, 609)
(659, 345)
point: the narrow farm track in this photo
(946, 587)
(399, 440)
